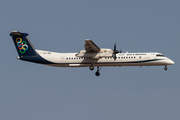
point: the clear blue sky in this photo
(31, 91)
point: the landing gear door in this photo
(63, 59)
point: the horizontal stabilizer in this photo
(17, 33)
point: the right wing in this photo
(91, 47)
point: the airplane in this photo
(91, 57)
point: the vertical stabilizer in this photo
(22, 44)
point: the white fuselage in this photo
(123, 59)
(90, 57)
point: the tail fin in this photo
(22, 44)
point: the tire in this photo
(97, 73)
(91, 67)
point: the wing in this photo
(91, 47)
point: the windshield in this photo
(160, 55)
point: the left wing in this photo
(91, 47)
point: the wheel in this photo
(91, 67)
(165, 68)
(97, 73)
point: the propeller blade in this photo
(120, 51)
(115, 47)
(115, 51)
(114, 56)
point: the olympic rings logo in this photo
(22, 45)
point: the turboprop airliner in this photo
(91, 57)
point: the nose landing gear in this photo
(165, 68)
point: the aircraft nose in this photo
(171, 62)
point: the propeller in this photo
(115, 52)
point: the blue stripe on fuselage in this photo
(36, 59)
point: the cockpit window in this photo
(159, 55)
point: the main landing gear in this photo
(97, 72)
(98, 69)
(91, 67)
(92, 63)
(165, 68)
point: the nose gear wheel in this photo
(165, 68)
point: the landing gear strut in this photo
(92, 67)
(97, 73)
(165, 68)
